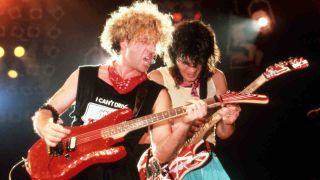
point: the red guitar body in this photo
(41, 165)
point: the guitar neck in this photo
(138, 123)
(119, 130)
(215, 118)
(255, 84)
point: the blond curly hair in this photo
(142, 21)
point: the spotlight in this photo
(57, 13)
(52, 51)
(54, 32)
(35, 13)
(177, 17)
(33, 31)
(15, 13)
(13, 74)
(197, 15)
(261, 13)
(19, 51)
(16, 31)
(2, 52)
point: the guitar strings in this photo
(126, 125)
(119, 128)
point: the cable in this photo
(14, 166)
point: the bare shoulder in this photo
(163, 101)
(73, 78)
(220, 81)
(218, 75)
(156, 76)
(75, 73)
(66, 95)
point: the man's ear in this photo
(123, 44)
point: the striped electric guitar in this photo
(187, 158)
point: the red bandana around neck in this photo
(194, 86)
(123, 86)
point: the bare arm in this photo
(156, 76)
(229, 113)
(160, 139)
(43, 123)
(165, 141)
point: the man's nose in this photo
(192, 69)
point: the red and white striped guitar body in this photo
(187, 160)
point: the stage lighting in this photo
(57, 13)
(177, 17)
(14, 13)
(12, 74)
(52, 51)
(17, 32)
(197, 15)
(33, 31)
(35, 13)
(19, 51)
(2, 52)
(54, 32)
(262, 15)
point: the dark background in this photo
(274, 141)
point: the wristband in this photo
(54, 112)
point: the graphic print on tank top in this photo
(95, 110)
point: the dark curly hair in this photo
(195, 40)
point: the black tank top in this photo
(95, 99)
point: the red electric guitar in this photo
(93, 143)
(187, 158)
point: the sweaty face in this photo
(139, 54)
(189, 71)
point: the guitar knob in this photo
(67, 156)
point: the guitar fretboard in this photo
(255, 84)
(134, 124)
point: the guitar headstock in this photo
(285, 66)
(241, 97)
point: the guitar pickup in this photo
(71, 144)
